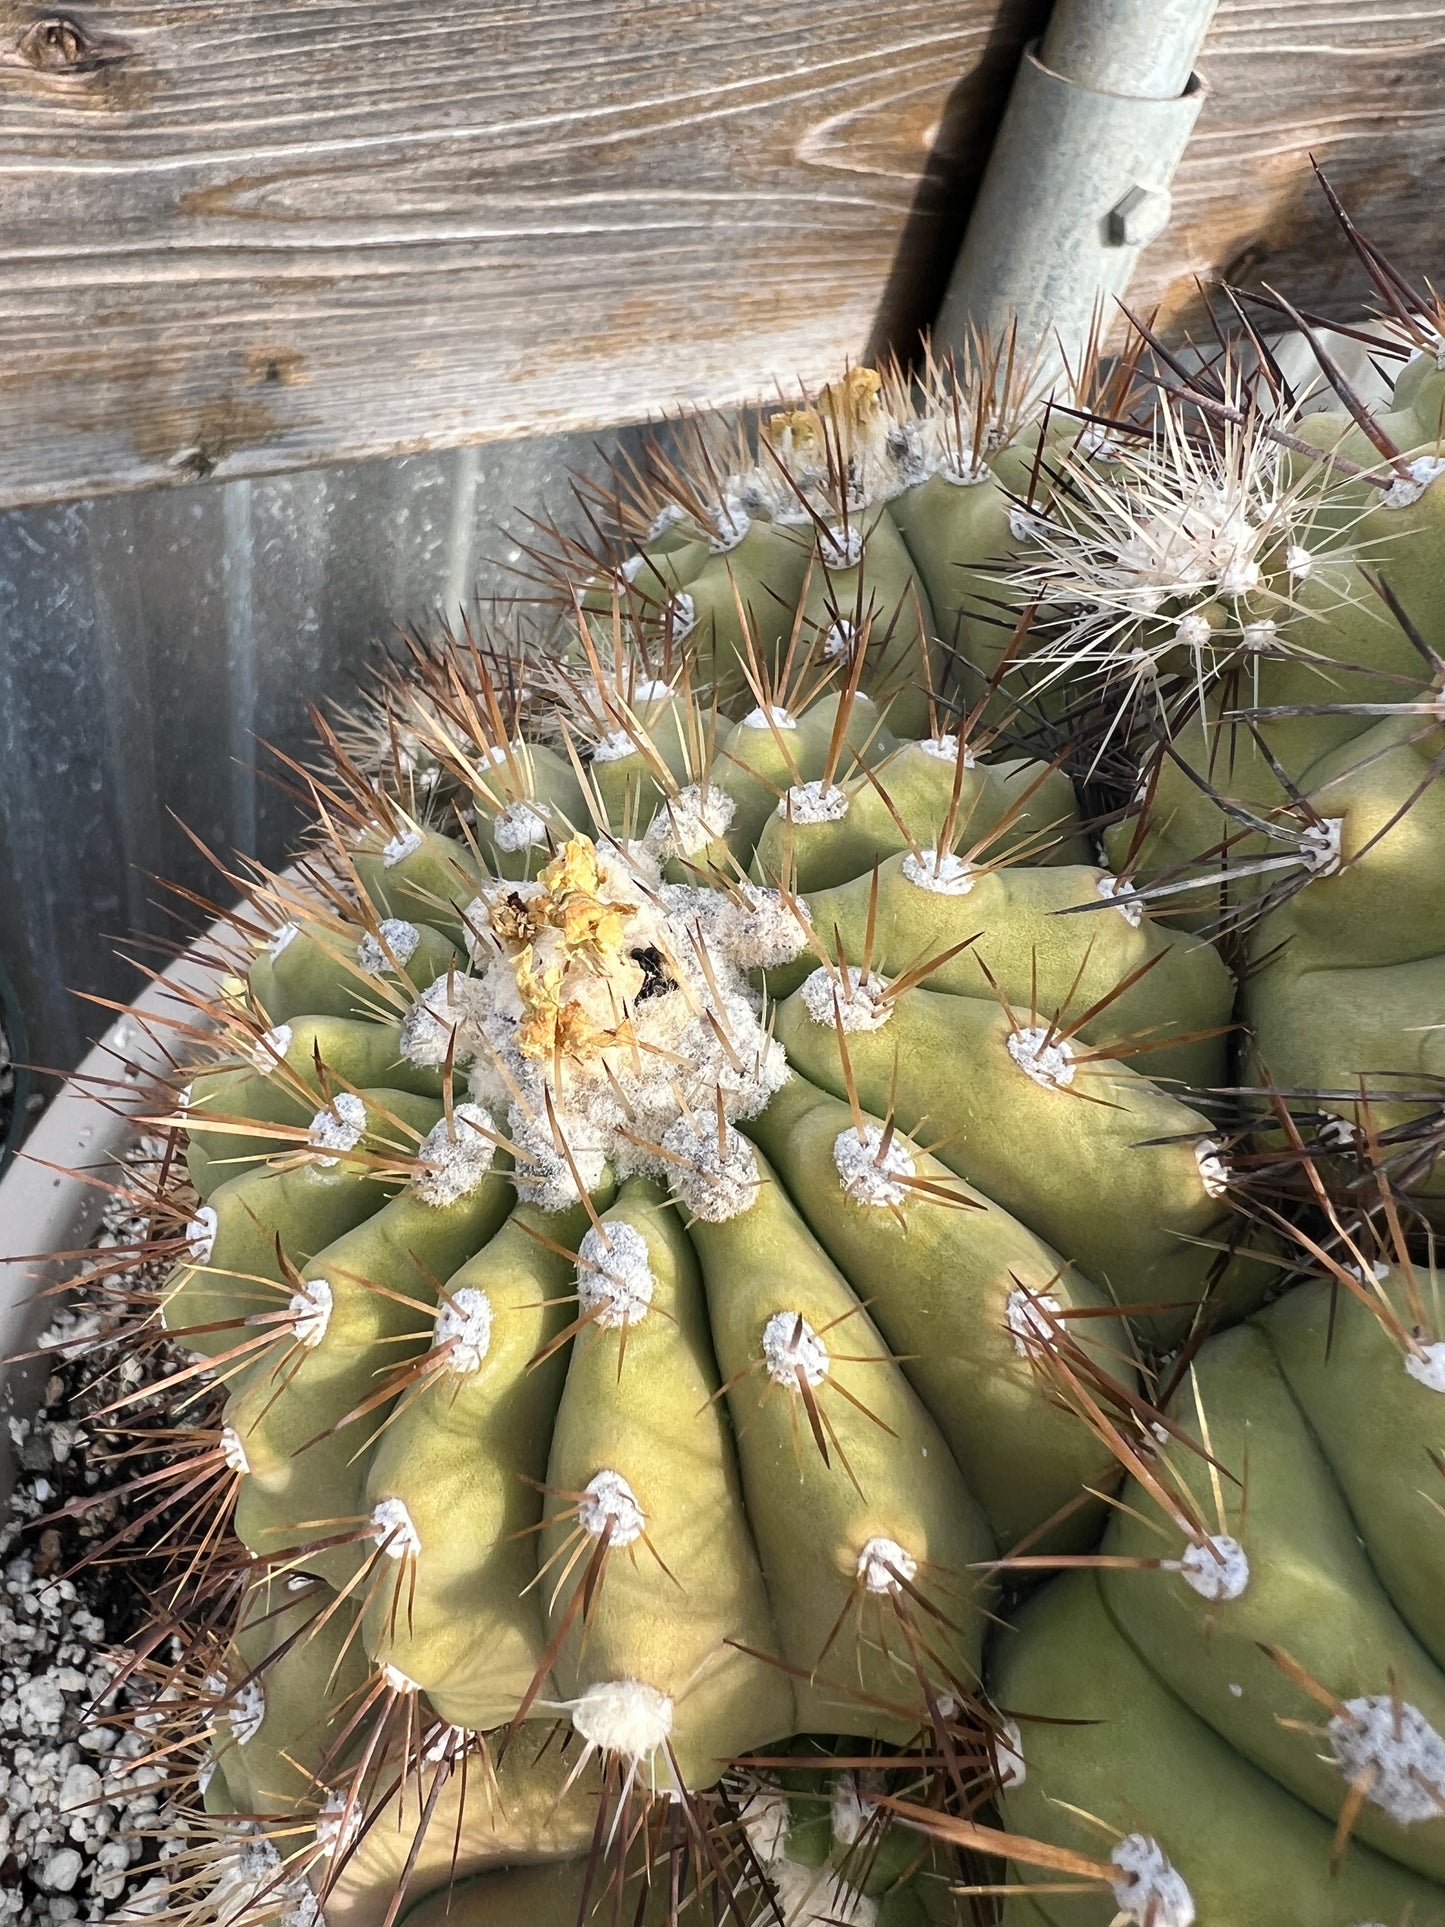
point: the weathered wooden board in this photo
(245, 236)
(1359, 85)
(240, 236)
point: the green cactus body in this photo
(697, 1197)
(612, 1343)
(1283, 1668)
(1140, 1770)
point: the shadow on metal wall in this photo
(150, 643)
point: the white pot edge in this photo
(46, 1203)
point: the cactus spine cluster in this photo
(896, 1055)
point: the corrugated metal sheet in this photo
(150, 643)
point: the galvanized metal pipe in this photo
(1078, 181)
(1145, 48)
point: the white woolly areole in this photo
(868, 1172)
(843, 996)
(247, 1870)
(1319, 846)
(1150, 1892)
(961, 475)
(883, 1565)
(758, 929)
(1049, 1064)
(392, 1529)
(792, 1349)
(1216, 1568)
(820, 1897)
(648, 689)
(392, 948)
(201, 1234)
(1405, 490)
(246, 1711)
(1098, 443)
(1008, 1758)
(310, 1310)
(766, 1820)
(614, 1276)
(1213, 1171)
(1426, 1365)
(1029, 1316)
(1193, 630)
(609, 1500)
(1388, 1746)
(270, 1048)
(667, 517)
(1024, 527)
(543, 1174)
(493, 755)
(338, 1823)
(1299, 561)
(623, 1716)
(945, 748)
(337, 1126)
(287, 934)
(1259, 636)
(233, 1452)
(840, 548)
(839, 640)
(814, 802)
(303, 1908)
(613, 747)
(450, 1743)
(853, 1803)
(682, 614)
(396, 1681)
(689, 821)
(520, 826)
(731, 522)
(465, 1325)
(942, 871)
(714, 1184)
(773, 717)
(454, 1158)
(1129, 907)
(444, 1008)
(400, 848)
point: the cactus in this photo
(1239, 610)
(1236, 1708)
(701, 1186)
(627, 1314)
(1258, 1656)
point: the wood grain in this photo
(1357, 84)
(238, 237)
(242, 236)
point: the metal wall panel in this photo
(150, 643)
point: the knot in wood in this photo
(56, 44)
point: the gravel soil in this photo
(86, 1825)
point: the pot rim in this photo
(50, 1201)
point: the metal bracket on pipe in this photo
(1077, 184)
